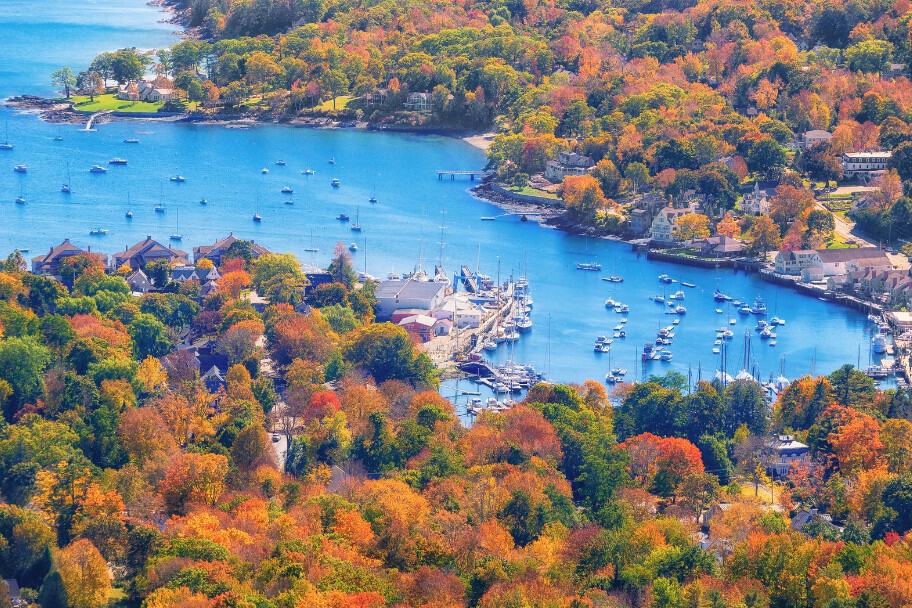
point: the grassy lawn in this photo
(110, 102)
(530, 191)
(341, 104)
(838, 242)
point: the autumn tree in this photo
(80, 578)
(583, 196)
(691, 226)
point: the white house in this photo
(865, 165)
(757, 201)
(662, 229)
(787, 453)
(836, 262)
(464, 314)
(815, 137)
(568, 163)
(794, 262)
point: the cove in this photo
(417, 219)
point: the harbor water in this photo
(417, 218)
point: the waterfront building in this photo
(865, 165)
(719, 247)
(153, 91)
(425, 327)
(836, 262)
(786, 453)
(568, 163)
(794, 262)
(815, 137)
(662, 229)
(145, 252)
(216, 251)
(893, 287)
(49, 263)
(419, 102)
(408, 293)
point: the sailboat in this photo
(20, 200)
(129, 213)
(373, 199)
(177, 236)
(256, 215)
(160, 207)
(65, 188)
(311, 249)
(356, 227)
(5, 145)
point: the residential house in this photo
(159, 89)
(213, 380)
(147, 251)
(786, 454)
(757, 201)
(865, 165)
(182, 274)
(815, 137)
(419, 102)
(464, 314)
(807, 517)
(377, 98)
(49, 263)
(408, 293)
(568, 163)
(139, 282)
(794, 262)
(893, 286)
(662, 229)
(216, 251)
(719, 247)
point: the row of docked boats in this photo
(520, 321)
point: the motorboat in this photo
(879, 343)
(686, 284)
(280, 163)
(287, 190)
(622, 309)
(372, 200)
(98, 231)
(665, 355)
(117, 161)
(20, 200)
(745, 310)
(658, 299)
(353, 247)
(203, 202)
(777, 321)
(342, 217)
(591, 266)
(159, 208)
(178, 179)
(524, 324)
(489, 345)
(308, 172)
(264, 170)
(332, 160)
(65, 188)
(759, 307)
(615, 278)
(761, 325)
(128, 214)
(718, 296)
(680, 310)
(131, 140)
(98, 169)
(664, 278)
(488, 218)
(610, 303)
(335, 183)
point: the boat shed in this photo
(408, 293)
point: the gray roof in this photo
(846, 255)
(408, 288)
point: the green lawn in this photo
(341, 103)
(109, 101)
(530, 191)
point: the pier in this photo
(454, 174)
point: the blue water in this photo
(415, 211)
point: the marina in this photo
(399, 170)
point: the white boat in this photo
(118, 161)
(287, 190)
(308, 172)
(489, 345)
(257, 218)
(128, 214)
(203, 202)
(732, 321)
(21, 168)
(658, 299)
(20, 200)
(353, 247)
(178, 179)
(879, 343)
(719, 311)
(335, 183)
(264, 170)
(131, 140)
(280, 163)
(98, 231)
(524, 325)
(98, 169)
(680, 310)
(591, 266)
(777, 321)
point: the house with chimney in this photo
(147, 251)
(49, 263)
(217, 250)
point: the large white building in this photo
(865, 165)
(408, 293)
(662, 229)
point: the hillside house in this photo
(662, 228)
(568, 163)
(49, 263)
(865, 165)
(145, 252)
(216, 251)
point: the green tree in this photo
(22, 363)
(150, 338)
(869, 55)
(64, 79)
(852, 387)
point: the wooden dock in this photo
(454, 174)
